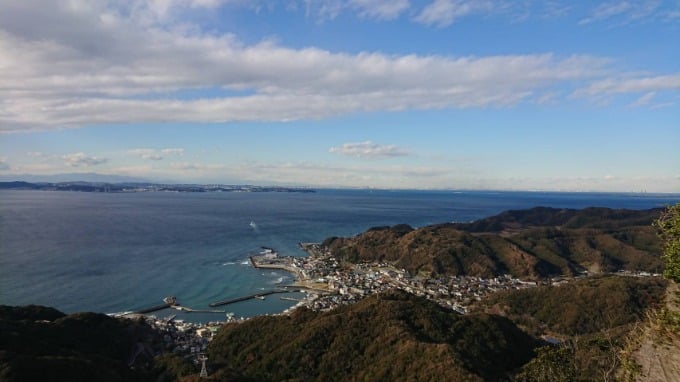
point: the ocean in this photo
(114, 252)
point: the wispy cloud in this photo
(443, 13)
(82, 160)
(380, 9)
(323, 10)
(607, 10)
(627, 85)
(368, 149)
(643, 100)
(156, 154)
(626, 12)
(547, 98)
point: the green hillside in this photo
(592, 317)
(392, 336)
(535, 243)
(43, 344)
(389, 337)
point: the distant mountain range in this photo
(75, 177)
(141, 187)
(535, 243)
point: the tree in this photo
(669, 231)
(551, 364)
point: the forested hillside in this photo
(535, 243)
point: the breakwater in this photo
(244, 298)
(153, 309)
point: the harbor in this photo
(268, 258)
(171, 302)
(260, 295)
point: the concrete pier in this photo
(153, 309)
(244, 298)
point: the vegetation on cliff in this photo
(38, 344)
(393, 336)
(668, 225)
(534, 243)
(592, 318)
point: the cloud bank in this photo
(82, 63)
(82, 160)
(156, 154)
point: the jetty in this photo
(270, 259)
(171, 302)
(153, 309)
(244, 298)
(190, 310)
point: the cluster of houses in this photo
(185, 338)
(330, 284)
(349, 284)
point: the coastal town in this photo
(328, 283)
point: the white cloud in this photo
(148, 154)
(443, 13)
(156, 154)
(607, 10)
(631, 85)
(368, 149)
(173, 151)
(380, 9)
(81, 63)
(35, 154)
(324, 10)
(627, 11)
(80, 159)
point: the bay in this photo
(108, 252)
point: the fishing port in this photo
(260, 295)
(171, 302)
(270, 259)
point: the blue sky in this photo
(452, 94)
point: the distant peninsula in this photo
(144, 187)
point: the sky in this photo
(399, 94)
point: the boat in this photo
(252, 224)
(260, 297)
(172, 300)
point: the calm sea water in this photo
(119, 252)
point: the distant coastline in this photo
(143, 187)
